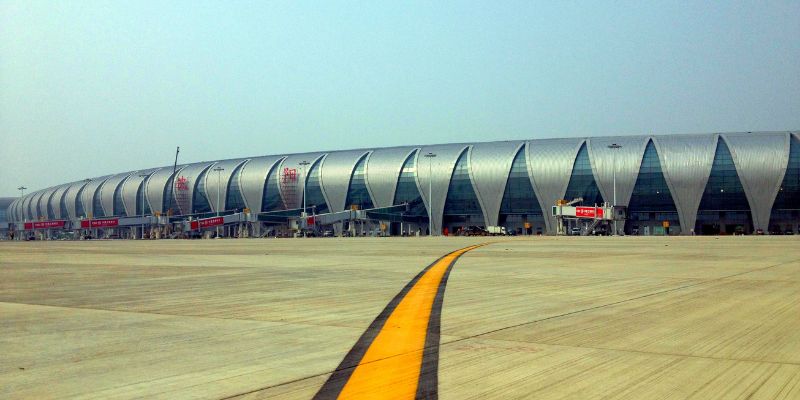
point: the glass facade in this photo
(314, 196)
(357, 193)
(407, 191)
(461, 206)
(651, 201)
(786, 208)
(97, 207)
(51, 214)
(62, 204)
(142, 207)
(581, 182)
(520, 205)
(271, 198)
(723, 207)
(234, 200)
(119, 206)
(79, 203)
(200, 204)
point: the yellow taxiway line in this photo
(397, 357)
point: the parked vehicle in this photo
(496, 230)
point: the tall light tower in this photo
(144, 179)
(430, 157)
(219, 186)
(303, 165)
(613, 148)
(21, 195)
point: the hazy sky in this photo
(91, 88)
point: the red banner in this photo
(100, 223)
(589, 212)
(310, 221)
(58, 224)
(208, 222)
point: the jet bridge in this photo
(585, 220)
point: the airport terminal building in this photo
(717, 183)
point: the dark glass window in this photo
(724, 191)
(407, 191)
(314, 196)
(97, 206)
(79, 203)
(142, 203)
(62, 204)
(50, 211)
(519, 197)
(271, 198)
(357, 193)
(581, 182)
(234, 200)
(789, 193)
(651, 197)
(119, 206)
(200, 202)
(461, 198)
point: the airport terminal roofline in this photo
(760, 159)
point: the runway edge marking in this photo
(398, 355)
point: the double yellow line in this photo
(397, 356)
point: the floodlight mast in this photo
(430, 157)
(614, 147)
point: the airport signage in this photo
(100, 223)
(58, 224)
(589, 212)
(208, 222)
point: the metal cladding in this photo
(550, 163)
(253, 177)
(760, 160)
(87, 196)
(217, 181)
(383, 171)
(436, 172)
(761, 164)
(108, 190)
(686, 163)
(192, 172)
(55, 201)
(71, 198)
(628, 159)
(156, 186)
(335, 174)
(487, 162)
(130, 190)
(292, 162)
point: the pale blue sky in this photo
(90, 88)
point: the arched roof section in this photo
(686, 162)
(628, 159)
(436, 177)
(382, 172)
(253, 177)
(550, 163)
(760, 161)
(219, 180)
(335, 173)
(490, 164)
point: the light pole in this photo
(88, 215)
(613, 148)
(21, 195)
(430, 157)
(219, 185)
(144, 179)
(303, 165)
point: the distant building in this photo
(703, 184)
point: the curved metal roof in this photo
(434, 173)
(383, 171)
(253, 177)
(220, 179)
(335, 173)
(761, 164)
(490, 164)
(550, 164)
